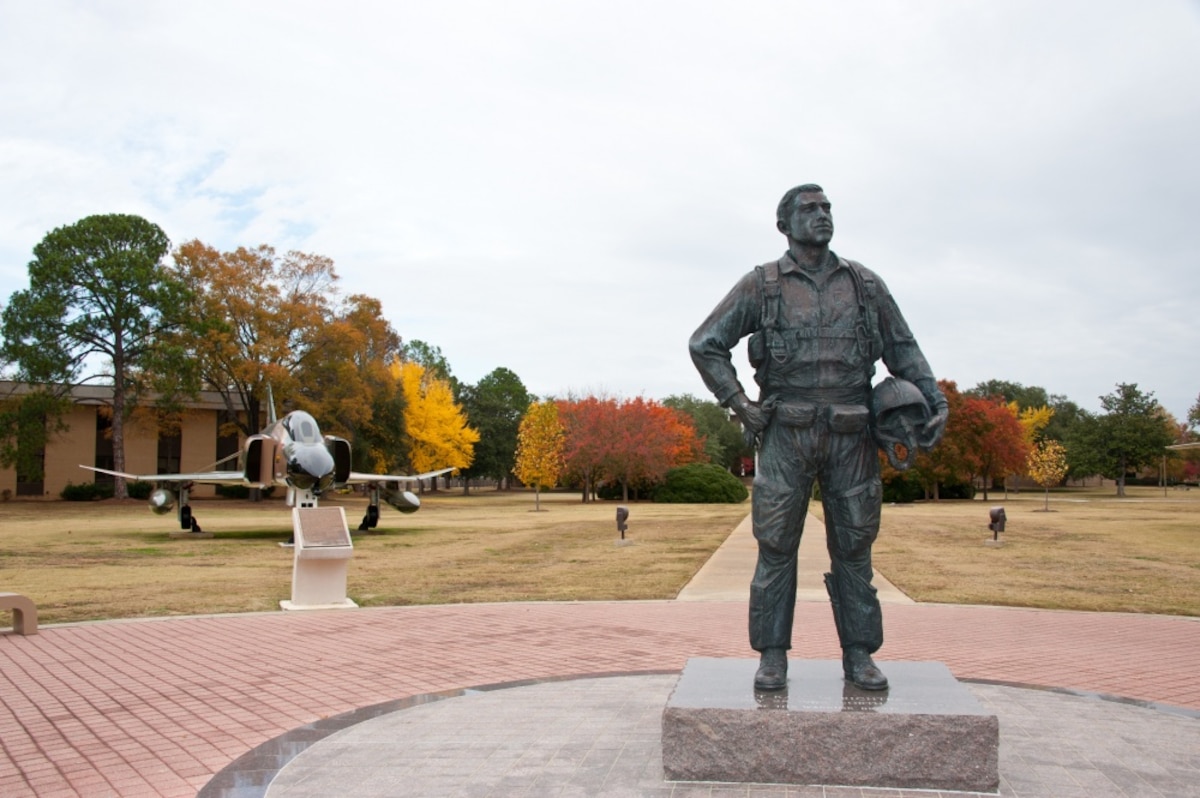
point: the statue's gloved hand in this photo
(754, 419)
(935, 427)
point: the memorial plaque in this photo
(321, 526)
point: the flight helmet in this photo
(898, 414)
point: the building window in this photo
(170, 451)
(227, 442)
(31, 484)
(104, 446)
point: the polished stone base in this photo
(925, 732)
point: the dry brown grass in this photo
(1091, 552)
(110, 560)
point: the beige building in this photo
(195, 445)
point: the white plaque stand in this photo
(322, 554)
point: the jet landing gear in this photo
(186, 519)
(371, 519)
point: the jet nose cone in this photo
(311, 467)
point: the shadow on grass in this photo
(398, 532)
(273, 534)
(218, 536)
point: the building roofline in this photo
(103, 395)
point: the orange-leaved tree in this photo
(435, 426)
(352, 391)
(258, 320)
(539, 458)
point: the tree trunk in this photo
(118, 423)
(537, 498)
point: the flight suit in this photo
(815, 336)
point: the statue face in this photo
(811, 220)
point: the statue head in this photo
(804, 215)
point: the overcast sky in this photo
(566, 189)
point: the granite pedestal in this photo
(925, 732)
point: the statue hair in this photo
(785, 204)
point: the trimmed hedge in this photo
(701, 483)
(90, 491)
(902, 489)
(905, 488)
(138, 490)
(86, 492)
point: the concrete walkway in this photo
(726, 575)
(222, 704)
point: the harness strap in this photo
(868, 328)
(768, 275)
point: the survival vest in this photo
(770, 342)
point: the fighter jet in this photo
(290, 452)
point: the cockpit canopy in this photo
(302, 427)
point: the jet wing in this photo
(358, 478)
(208, 477)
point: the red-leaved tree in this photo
(649, 440)
(995, 434)
(631, 442)
(955, 459)
(588, 426)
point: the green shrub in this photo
(86, 492)
(902, 489)
(138, 490)
(701, 483)
(637, 491)
(956, 490)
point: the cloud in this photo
(567, 189)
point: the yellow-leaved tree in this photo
(1033, 423)
(435, 426)
(540, 442)
(1033, 420)
(1047, 464)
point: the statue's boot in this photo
(772, 670)
(861, 670)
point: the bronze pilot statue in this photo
(818, 323)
